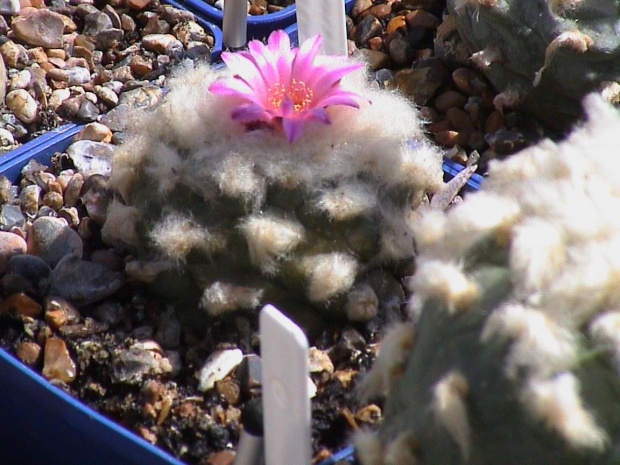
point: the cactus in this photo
(238, 214)
(512, 354)
(544, 56)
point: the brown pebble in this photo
(147, 434)
(439, 126)
(53, 200)
(59, 312)
(370, 414)
(451, 138)
(29, 352)
(140, 66)
(397, 23)
(460, 120)
(429, 115)
(96, 132)
(422, 19)
(57, 362)
(494, 122)
(229, 389)
(22, 305)
(225, 457)
(450, 99)
(380, 11)
(469, 81)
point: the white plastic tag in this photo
(235, 23)
(286, 404)
(325, 17)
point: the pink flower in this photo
(285, 87)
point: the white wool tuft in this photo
(348, 200)
(437, 279)
(539, 344)
(221, 297)
(121, 225)
(236, 177)
(537, 254)
(270, 238)
(175, 235)
(556, 401)
(329, 275)
(605, 331)
(450, 410)
(390, 362)
(166, 165)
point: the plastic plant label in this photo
(286, 404)
(235, 24)
(325, 17)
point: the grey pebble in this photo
(52, 239)
(11, 217)
(84, 282)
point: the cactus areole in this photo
(545, 54)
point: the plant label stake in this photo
(235, 23)
(325, 17)
(286, 403)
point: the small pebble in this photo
(57, 362)
(217, 366)
(29, 352)
(52, 239)
(10, 245)
(21, 305)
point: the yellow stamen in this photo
(297, 91)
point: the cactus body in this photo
(513, 355)
(241, 217)
(544, 55)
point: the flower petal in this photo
(250, 112)
(340, 97)
(322, 82)
(293, 128)
(302, 66)
(235, 87)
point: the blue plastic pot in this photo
(259, 26)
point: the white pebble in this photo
(217, 367)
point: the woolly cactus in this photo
(514, 353)
(544, 56)
(298, 198)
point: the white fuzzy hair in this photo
(270, 238)
(175, 235)
(222, 297)
(120, 227)
(444, 280)
(348, 200)
(557, 402)
(390, 362)
(605, 332)
(450, 410)
(329, 275)
(538, 344)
